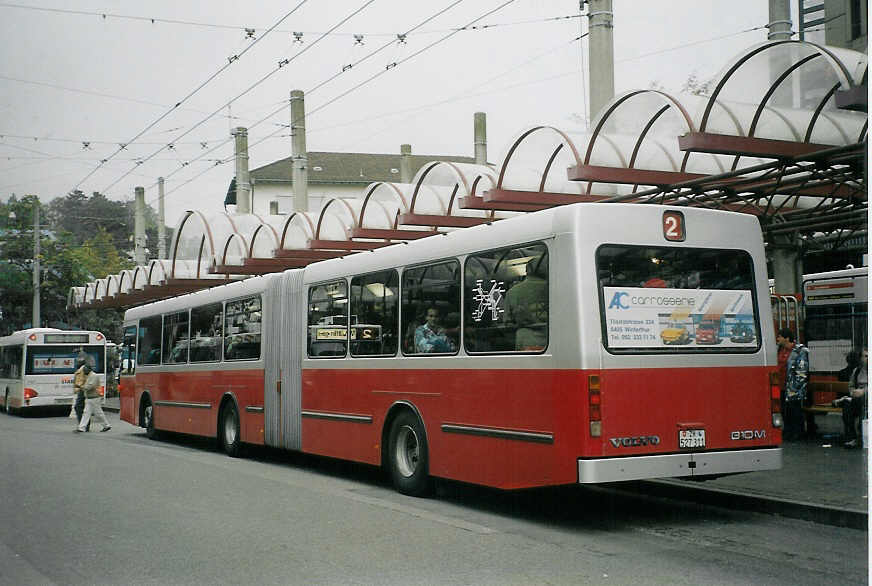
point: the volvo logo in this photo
(629, 442)
(748, 434)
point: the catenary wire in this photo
(223, 68)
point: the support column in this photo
(779, 20)
(35, 319)
(243, 183)
(786, 257)
(161, 220)
(480, 137)
(139, 226)
(298, 150)
(601, 55)
(405, 163)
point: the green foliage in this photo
(81, 239)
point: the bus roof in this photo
(597, 223)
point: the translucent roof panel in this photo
(784, 90)
(265, 239)
(439, 184)
(541, 155)
(297, 230)
(234, 251)
(112, 285)
(337, 218)
(140, 277)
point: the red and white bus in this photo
(37, 366)
(522, 353)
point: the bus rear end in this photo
(680, 372)
(50, 362)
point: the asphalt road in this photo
(117, 508)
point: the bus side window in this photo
(206, 333)
(149, 341)
(128, 350)
(327, 331)
(507, 300)
(374, 300)
(242, 326)
(431, 309)
(175, 341)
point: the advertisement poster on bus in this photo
(638, 317)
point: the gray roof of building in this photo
(353, 168)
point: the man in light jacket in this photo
(92, 401)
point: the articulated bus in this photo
(526, 352)
(37, 366)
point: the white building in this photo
(330, 175)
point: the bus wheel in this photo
(148, 420)
(407, 455)
(6, 404)
(229, 430)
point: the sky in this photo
(108, 95)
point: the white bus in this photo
(37, 366)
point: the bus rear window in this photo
(62, 359)
(675, 299)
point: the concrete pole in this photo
(405, 163)
(601, 55)
(161, 219)
(243, 182)
(786, 264)
(480, 137)
(35, 318)
(779, 20)
(139, 227)
(298, 150)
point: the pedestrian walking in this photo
(79, 377)
(92, 401)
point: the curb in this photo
(817, 513)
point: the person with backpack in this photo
(795, 384)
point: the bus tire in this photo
(6, 404)
(148, 420)
(407, 456)
(228, 432)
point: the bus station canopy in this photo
(780, 133)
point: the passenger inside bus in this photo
(431, 337)
(527, 307)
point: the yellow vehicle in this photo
(675, 336)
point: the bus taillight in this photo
(594, 403)
(775, 400)
(29, 394)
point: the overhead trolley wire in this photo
(281, 64)
(230, 62)
(356, 87)
(246, 29)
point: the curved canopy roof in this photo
(780, 133)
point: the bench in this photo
(822, 409)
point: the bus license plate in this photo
(691, 439)
(64, 400)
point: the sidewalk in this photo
(819, 481)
